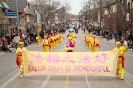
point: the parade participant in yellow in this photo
(19, 60)
(94, 44)
(88, 38)
(69, 45)
(53, 41)
(55, 38)
(120, 50)
(50, 40)
(58, 38)
(45, 44)
(85, 36)
(38, 40)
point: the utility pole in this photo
(17, 16)
(100, 13)
(131, 16)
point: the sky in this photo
(76, 5)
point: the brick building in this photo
(4, 22)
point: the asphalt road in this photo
(9, 73)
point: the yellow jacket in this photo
(121, 50)
(94, 41)
(45, 43)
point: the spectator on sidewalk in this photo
(16, 40)
(8, 39)
(5, 48)
(116, 35)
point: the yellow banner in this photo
(73, 63)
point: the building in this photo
(26, 16)
(4, 22)
(119, 16)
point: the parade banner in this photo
(73, 63)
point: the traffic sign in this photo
(10, 15)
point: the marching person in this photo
(19, 60)
(85, 36)
(45, 44)
(69, 45)
(121, 50)
(50, 40)
(38, 40)
(94, 43)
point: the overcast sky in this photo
(76, 5)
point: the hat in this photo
(21, 43)
(118, 43)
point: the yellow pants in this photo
(45, 49)
(120, 69)
(21, 67)
(54, 44)
(51, 46)
(38, 44)
(94, 48)
(88, 44)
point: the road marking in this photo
(67, 81)
(46, 82)
(9, 81)
(129, 83)
(87, 81)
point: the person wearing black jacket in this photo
(5, 48)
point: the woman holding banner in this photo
(121, 50)
(19, 60)
(45, 44)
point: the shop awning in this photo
(4, 5)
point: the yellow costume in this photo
(45, 45)
(121, 50)
(38, 41)
(94, 44)
(50, 40)
(19, 59)
(85, 36)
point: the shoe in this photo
(21, 76)
(122, 78)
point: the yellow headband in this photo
(21, 43)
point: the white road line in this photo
(129, 83)
(46, 82)
(6, 83)
(87, 81)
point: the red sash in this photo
(17, 60)
(122, 58)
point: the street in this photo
(9, 72)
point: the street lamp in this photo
(17, 16)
